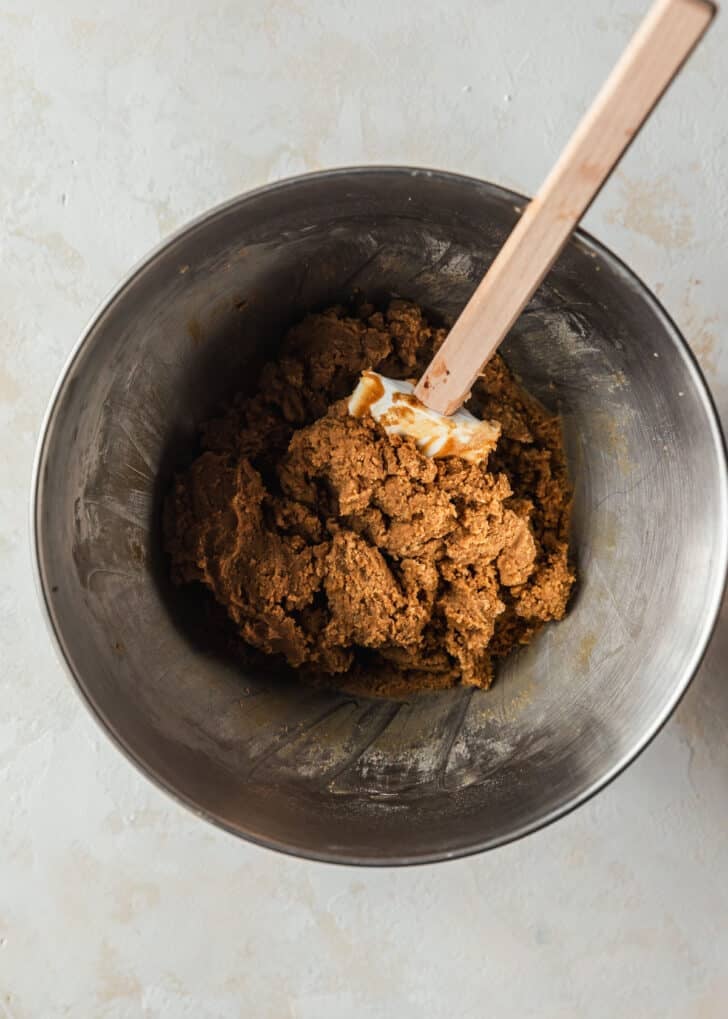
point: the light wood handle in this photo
(652, 59)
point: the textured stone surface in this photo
(120, 121)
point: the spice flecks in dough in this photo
(351, 553)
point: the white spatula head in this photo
(393, 404)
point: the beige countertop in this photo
(118, 123)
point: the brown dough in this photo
(349, 552)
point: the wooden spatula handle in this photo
(654, 56)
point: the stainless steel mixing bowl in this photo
(328, 775)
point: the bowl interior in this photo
(326, 774)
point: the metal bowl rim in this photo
(536, 824)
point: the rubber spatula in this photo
(652, 59)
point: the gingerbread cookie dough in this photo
(351, 554)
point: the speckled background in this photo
(119, 121)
